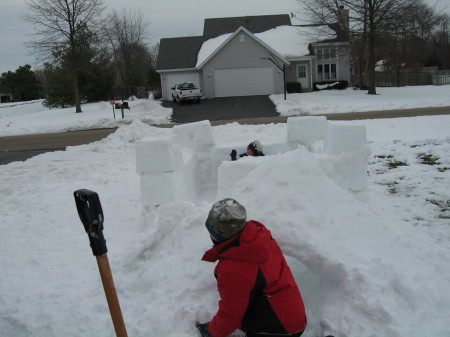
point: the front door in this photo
(303, 75)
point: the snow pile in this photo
(33, 117)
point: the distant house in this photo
(5, 98)
(254, 55)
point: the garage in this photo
(244, 81)
(169, 79)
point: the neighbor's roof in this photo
(255, 24)
(179, 52)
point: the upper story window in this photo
(326, 53)
(241, 38)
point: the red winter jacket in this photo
(257, 290)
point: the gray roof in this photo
(254, 24)
(179, 52)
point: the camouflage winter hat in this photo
(256, 147)
(226, 218)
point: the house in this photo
(254, 55)
(5, 98)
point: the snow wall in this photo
(188, 166)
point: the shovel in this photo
(91, 215)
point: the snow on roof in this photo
(209, 46)
(289, 41)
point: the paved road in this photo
(23, 147)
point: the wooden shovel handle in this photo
(111, 296)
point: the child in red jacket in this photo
(258, 292)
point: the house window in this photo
(326, 71)
(319, 54)
(301, 71)
(241, 38)
(326, 53)
(333, 71)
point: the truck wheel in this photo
(198, 100)
(173, 98)
(179, 100)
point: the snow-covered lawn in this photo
(349, 100)
(368, 264)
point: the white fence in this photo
(440, 79)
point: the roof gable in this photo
(255, 24)
(221, 43)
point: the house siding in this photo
(237, 54)
(342, 61)
(291, 72)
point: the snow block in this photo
(160, 188)
(341, 138)
(348, 169)
(232, 171)
(346, 156)
(156, 155)
(197, 136)
(306, 130)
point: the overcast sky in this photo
(167, 18)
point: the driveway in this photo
(223, 108)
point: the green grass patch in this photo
(444, 206)
(396, 163)
(428, 159)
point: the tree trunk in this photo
(76, 91)
(371, 65)
(371, 58)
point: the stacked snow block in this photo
(160, 164)
(348, 155)
(197, 136)
(206, 157)
(307, 131)
(232, 172)
(188, 166)
(182, 167)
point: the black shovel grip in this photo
(91, 215)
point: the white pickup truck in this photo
(186, 91)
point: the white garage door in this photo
(244, 81)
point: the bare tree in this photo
(441, 40)
(59, 25)
(370, 20)
(127, 34)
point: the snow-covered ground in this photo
(368, 264)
